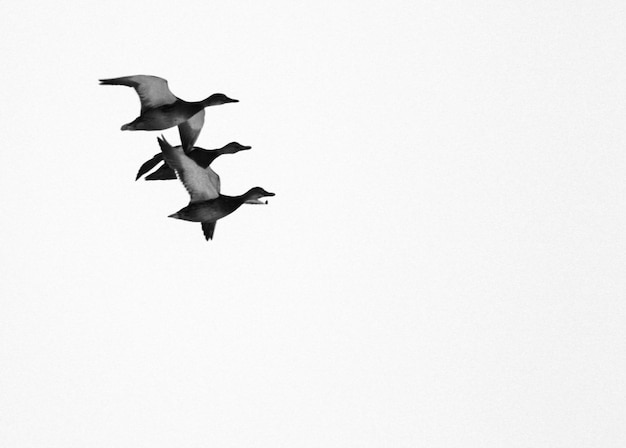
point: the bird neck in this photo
(231, 203)
(227, 149)
(211, 101)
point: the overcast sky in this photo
(442, 265)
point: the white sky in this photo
(442, 265)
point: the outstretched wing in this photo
(152, 90)
(201, 183)
(190, 130)
(208, 228)
(148, 165)
(164, 172)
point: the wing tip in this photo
(163, 143)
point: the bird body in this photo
(208, 211)
(202, 157)
(161, 109)
(214, 209)
(164, 117)
(206, 204)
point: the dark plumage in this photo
(219, 207)
(203, 157)
(206, 205)
(161, 109)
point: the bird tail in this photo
(132, 126)
(208, 228)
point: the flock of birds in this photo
(160, 110)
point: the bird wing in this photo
(201, 183)
(190, 130)
(164, 172)
(152, 90)
(148, 165)
(216, 180)
(208, 228)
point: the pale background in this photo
(443, 264)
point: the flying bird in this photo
(161, 109)
(206, 205)
(203, 157)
